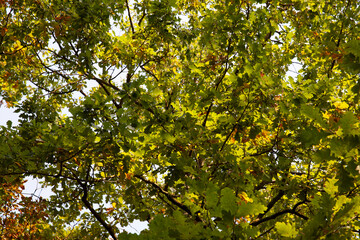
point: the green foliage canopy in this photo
(183, 114)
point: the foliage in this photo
(20, 217)
(183, 114)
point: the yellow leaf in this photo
(17, 44)
(97, 139)
(330, 187)
(341, 105)
(326, 115)
(244, 197)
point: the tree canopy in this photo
(184, 114)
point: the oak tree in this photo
(186, 114)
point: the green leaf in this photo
(286, 229)
(228, 200)
(250, 209)
(349, 123)
(313, 114)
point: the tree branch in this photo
(292, 211)
(218, 83)
(168, 196)
(234, 127)
(207, 114)
(101, 83)
(89, 206)
(339, 39)
(128, 10)
(272, 203)
(96, 214)
(264, 233)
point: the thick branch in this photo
(89, 206)
(207, 115)
(292, 211)
(272, 203)
(97, 215)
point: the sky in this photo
(7, 114)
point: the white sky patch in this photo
(8, 114)
(34, 188)
(294, 68)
